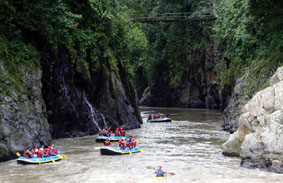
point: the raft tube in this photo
(159, 120)
(102, 138)
(108, 150)
(23, 160)
(160, 177)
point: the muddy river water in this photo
(189, 149)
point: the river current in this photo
(189, 149)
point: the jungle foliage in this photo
(248, 34)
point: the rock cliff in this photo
(82, 103)
(23, 119)
(199, 87)
(259, 138)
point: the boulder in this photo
(259, 137)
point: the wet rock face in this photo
(81, 104)
(23, 119)
(199, 87)
(259, 138)
(232, 111)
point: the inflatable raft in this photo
(159, 120)
(108, 150)
(160, 177)
(23, 160)
(102, 138)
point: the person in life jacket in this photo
(39, 153)
(168, 115)
(34, 149)
(54, 150)
(129, 140)
(154, 116)
(46, 152)
(159, 172)
(133, 143)
(158, 115)
(149, 116)
(122, 131)
(121, 144)
(117, 133)
(107, 142)
(27, 153)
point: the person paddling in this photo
(121, 144)
(107, 142)
(27, 153)
(159, 172)
(122, 132)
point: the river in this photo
(189, 149)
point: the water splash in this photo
(92, 113)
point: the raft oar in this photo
(52, 160)
(97, 148)
(65, 156)
(59, 156)
(18, 154)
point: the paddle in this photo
(61, 157)
(18, 154)
(65, 156)
(97, 148)
(52, 160)
(142, 151)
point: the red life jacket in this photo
(38, 153)
(46, 152)
(54, 151)
(154, 117)
(123, 133)
(117, 133)
(134, 144)
(107, 143)
(99, 133)
(33, 151)
(122, 145)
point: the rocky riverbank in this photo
(259, 138)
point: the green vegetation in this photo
(250, 36)
(91, 30)
(97, 33)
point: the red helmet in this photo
(109, 129)
(121, 128)
(159, 167)
(132, 139)
(36, 147)
(49, 147)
